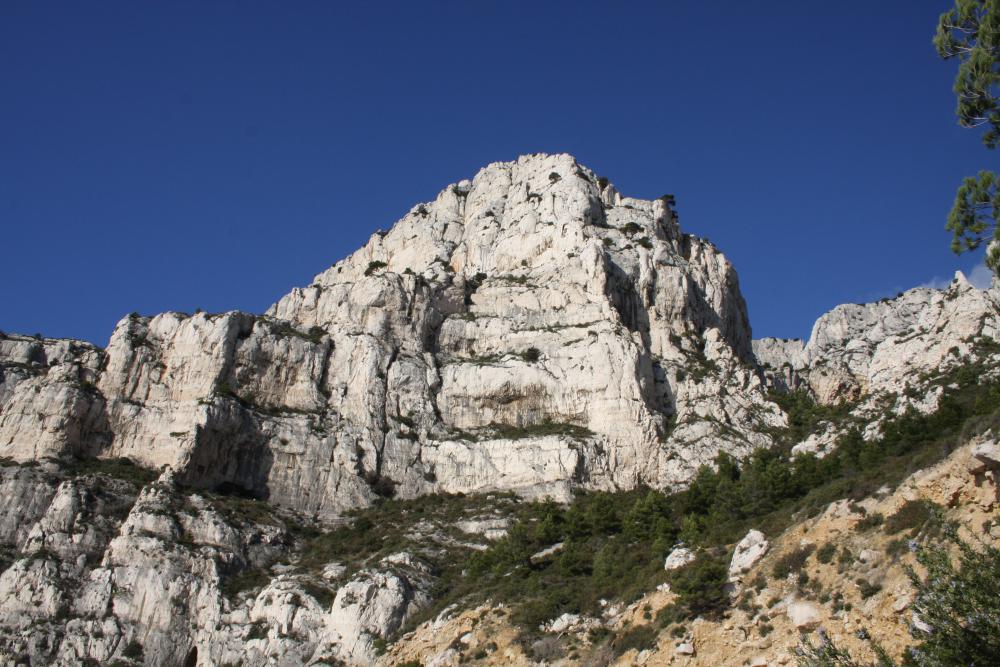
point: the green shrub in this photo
(792, 562)
(540, 429)
(826, 552)
(133, 650)
(250, 579)
(959, 598)
(896, 548)
(912, 516)
(700, 586)
(381, 486)
(870, 521)
(322, 594)
(472, 285)
(120, 468)
(373, 266)
(867, 588)
(640, 638)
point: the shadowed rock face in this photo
(528, 330)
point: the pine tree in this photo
(970, 32)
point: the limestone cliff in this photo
(529, 330)
(174, 498)
(857, 350)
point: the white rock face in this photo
(748, 553)
(530, 329)
(678, 558)
(49, 404)
(490, 528)
(373, 605)
(570, 623)
(818, 444)
(102, 571)
(685, 648)
(864, 349)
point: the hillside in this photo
(479, 438)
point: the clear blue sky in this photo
(182, 155)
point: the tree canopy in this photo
(970, 32)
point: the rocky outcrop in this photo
(103, 572)
(49, 403)
(678, 558)
(530, 329)
(883, 347)
(748, 553)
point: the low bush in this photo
(792, 562)
(639, 637)
(120, 468)
(870, 521)
(867, 588)
(374, 266)
(700, 586)
(911, 516)
(826, 553)
(133, 650)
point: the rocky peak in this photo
(862, 349)
(531, 329)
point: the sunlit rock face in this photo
(530, 329)
(858, 350)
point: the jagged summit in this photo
(529, 330)
(504, 201)
(859, 349)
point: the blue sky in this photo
(158, 156)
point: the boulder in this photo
(987, 453)
(570, 623)
(803, 615)
(869, 557)
(678, 558)
(748, 553)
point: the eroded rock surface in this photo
(864, 349)
(103, 571)
(530, 329)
